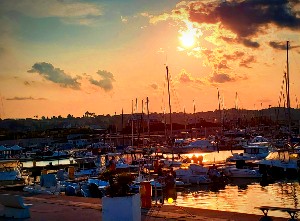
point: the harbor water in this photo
(241, 195)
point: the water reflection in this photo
(236, 195)
(242, 195)
(242, 183)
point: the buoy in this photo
(170, 200)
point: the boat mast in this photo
(171, 126)
(147, 100)
(288, 86)
(219, 103)
(132, 123)
(184, 122)
(123, 138)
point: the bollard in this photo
(146, 193)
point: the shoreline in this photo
(56, 207)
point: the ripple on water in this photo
(242, 196)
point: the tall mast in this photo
(147, 100)
(171, 126)
(142, 123)
(288, 104)
(132, 123)
(219, 103)
(168, 80)
(184, 122)
(123, 138)
(194, 111)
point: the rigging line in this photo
(176, 102)
(163, 103)
(296, 66)
(174, 93)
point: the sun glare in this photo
(187, 39)
(189, 34)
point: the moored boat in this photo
(10, 172)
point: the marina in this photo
(115, 110)
(216, 196)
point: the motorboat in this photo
(234, 172)
(171, 163)
(193, 174)
(280, 163)
(251, 152)
(199, 146)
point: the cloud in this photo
(246, 18)
(24, 98)
(79, 11)
(281, 45)
(247, 61)
(124, 19)
(249, 43)
(56, 75)
(154, 86)
(185, 77)
(106, 81)
(236, 21)
(246, 42)
(236, 55)
(222, 65)
(221, 78)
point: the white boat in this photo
(171, 163)
(193, 174)
(234, 172)
(251, 152)
(281, 162)
(199, 145)
(259, 139)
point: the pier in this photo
(52, 207)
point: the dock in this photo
(57, 207)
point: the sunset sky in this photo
(61, 57)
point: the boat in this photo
(10, 172)
(198, 146)
(235, 172)
(280, 163)
(49, 154)
(48, 185)
(170, 162)
(253, 151)
(193, 174)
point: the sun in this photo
(187, 38)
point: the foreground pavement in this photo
(71, 208)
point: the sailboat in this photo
(285, 161)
